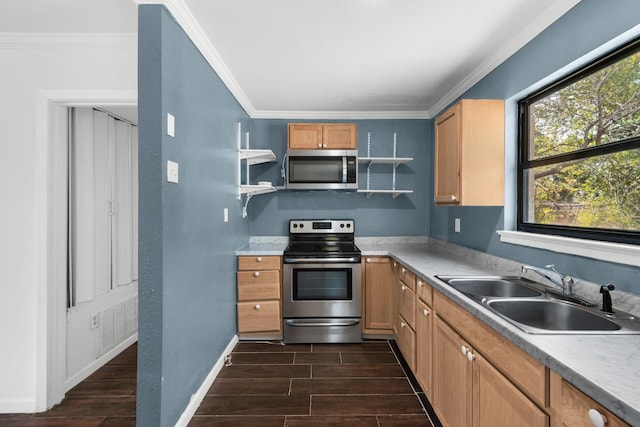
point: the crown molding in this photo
(68, 41)
(340, 115)
(508, 48)
(190, 25)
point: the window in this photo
(579, 152)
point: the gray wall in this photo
(187, 296)
(379, 215)
(587, 26)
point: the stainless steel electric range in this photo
(321, 283)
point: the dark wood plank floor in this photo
(266, 384)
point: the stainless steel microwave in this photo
(322, 170)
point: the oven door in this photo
(321, 290)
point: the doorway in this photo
(102, 279)
(52, 229)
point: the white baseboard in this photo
(98, 363)
(17, 406)
(198, 396)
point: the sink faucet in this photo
(554, 276)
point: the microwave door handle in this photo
(344, 169)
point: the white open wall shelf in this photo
(251, 157)
(394, 161)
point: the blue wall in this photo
(586, 27)
(187, 311)
(379, 215)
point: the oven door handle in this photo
(316, 323)
(320, 260)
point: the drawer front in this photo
(258, 285)
(407, 304)
(424, 291)
(406, 340)
(259, 316)
(407, 277)
(259, 263)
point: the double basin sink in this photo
(534, 309)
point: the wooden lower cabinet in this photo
(424, 346)
(406, 340)
(259, 282)
(469, 391)
(378, 297)
(571, 406)
(452, 377)
(498, 403)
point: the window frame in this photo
(525, 164)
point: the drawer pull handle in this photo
(257, 307)
(259, 259)
(257, 274)
(596, 418)
(426, 312)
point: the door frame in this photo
(51, 230)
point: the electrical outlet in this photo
(94, 321)
(456, 225)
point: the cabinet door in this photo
(406, 340)
(447, 157)
(340, 137)
(379, 286)
(424, 346)
(575, 406)
(304, 136)
(452, 377)
(498, 403)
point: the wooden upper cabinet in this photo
(469, 154)
(323, 136)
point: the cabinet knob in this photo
(596, 418)
(319, 145)
(426, 312)
(464, 350)
(402, 324)
(368, 259)
(395, 265)
(259, 259)
(470, 356)
(404, 270)
(257, 307)
(257, 273)
(420, 283)
(404, 288)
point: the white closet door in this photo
(90, 241)
(104, 207)
(123, 221)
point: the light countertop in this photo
(605, 367)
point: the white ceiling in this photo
(325, 58)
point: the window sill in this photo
(604, 251)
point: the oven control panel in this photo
(315, 226)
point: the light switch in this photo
(171, 125)
(172, 171)
(226, 215)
